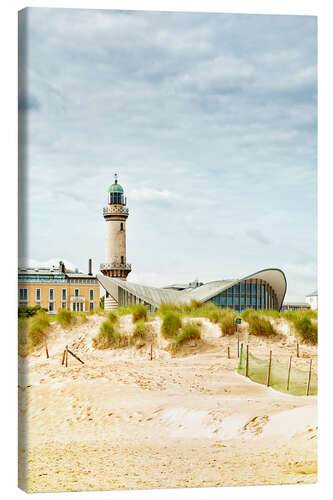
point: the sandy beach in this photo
(122, 421)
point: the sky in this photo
(210, 121)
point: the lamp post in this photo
(238, 322)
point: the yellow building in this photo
(57, 287)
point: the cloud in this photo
(150, 194)
(258, 236)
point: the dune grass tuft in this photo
(113, 317)
(305, 323)
(139, 312)
(37, 329)
(259, 324)
(171, 324)
(188, 332)
(109, 337)
(227, 322)
(65, 318)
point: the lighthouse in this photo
(115, 216)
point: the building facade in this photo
(265, 289)
(312, 300)
(57, 288)
(115, 216)
(294, 306)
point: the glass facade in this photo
(249, 294)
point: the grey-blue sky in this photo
(210, 121)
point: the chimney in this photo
(90, 268)
(62, 267)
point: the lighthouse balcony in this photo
(115, 210)
(115, 265)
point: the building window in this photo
(91, 306)
(76, 292)
(121, 226)
(122, 259)
(64, 294)
(23, 294)
(51, 294)
(63, 305)
(91, 294)
(51, 306)
(38, 294)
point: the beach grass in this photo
(171, 324)
(109, 337)
(37, 330)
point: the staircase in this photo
(110, 303)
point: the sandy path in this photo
(123, 421)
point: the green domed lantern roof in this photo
(115, 187)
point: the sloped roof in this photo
(158, 296)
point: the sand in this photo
(121, 421)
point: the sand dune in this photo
(123, 421)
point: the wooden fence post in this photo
(289, 368)
(228, 352)
(75, 356)
(269, 369)
(46, 350)
(309, 379)
(297, 348)
(66, 356)
(247, 361)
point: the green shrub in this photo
(109, 337)
(188, 332)
(65, 318)
(37, 329)
(139, 312)
(29, 311)
(171, 325)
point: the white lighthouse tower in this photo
(115, 215)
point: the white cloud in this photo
(150, 194)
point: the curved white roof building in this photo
(262, 290)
